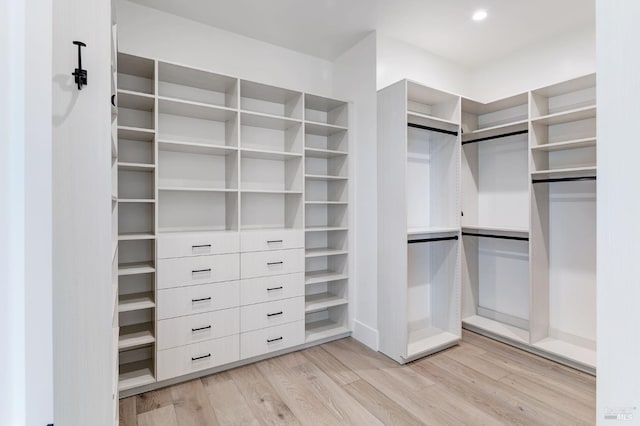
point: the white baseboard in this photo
(365, 334)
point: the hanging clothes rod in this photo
(504, 135)
(431, 240)
(567, 179)
(502, 237)
(433, 129)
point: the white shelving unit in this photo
(418, 239)
(114, 219)
(214, 169)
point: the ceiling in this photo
(327, 28)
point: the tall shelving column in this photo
(563, 221)
(495, 218)
(419, 199)
(136, 220)
(326, 210)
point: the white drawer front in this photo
(277, 239)
(197, 270)
(271, 339)
(266, 289)
(181, 331)
(184, 244)
(266, 263)
(263, 315)
(199, 356)
(177, 302)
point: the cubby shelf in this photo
(135, 133)
(268, 155)
(135, 335)
(322, 252)
(322, 129)
(314, 277)
(325, 177)
(567, 116)
(135, 100)
(559, 146)
(136, 167)
(136, 200)
(166, 144)
(132, 236)
(135, 268)
(135, 374)
(267, 121)
(136, 301)
(323, 153)
(192, 109)
(320, 301)
(324, 329)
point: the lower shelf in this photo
(136, 374)
(135, 335)
(428, 340)
(567, 350)
(320, 301)
(495, 327)
(323, 329)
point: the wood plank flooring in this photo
(479, 382)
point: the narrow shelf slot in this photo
(325, 251)
(323, 153)
(567, 116)
(135, 302)
(314, 277)
(194, 147)
(135, 335)
(325, 228)
(323, 329)
(136, 167)
(132, 236)
(135, 268)
(572, 144)
(135, 374)
(325, 177)
(320, 301)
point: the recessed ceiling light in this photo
(479, 15)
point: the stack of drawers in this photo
(226, 296)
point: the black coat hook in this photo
(79, 73)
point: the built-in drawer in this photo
(267, 289)
(269, 314)
(199, 356)
(275, 239)
(185, 244)
(186, 271)
(181, 301)
(267, 263)
(174, 332)
(271, 339)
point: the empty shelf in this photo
(325, 177)
(269, 155)
(482, 324)
(202, 188)
(322, 129)
(171, 145)
(324, 329)
(500, 128)
(197, 110)
(135, 374)
(135, 302)
(135, 100)
(504, 229)
(269, 191)
(426, 231)
(136, 200)
(326, 275)
(321, 301)
(429, 340)
(136, 236)
(325, 228)
(135, 335)
(135, 133)
(267, 121)
(567, 116)
(590, 170)
(330, 203)
(419, 118)
(558, 146)
(137, 167)
(323, 153)
(135, 268)
(321, 252)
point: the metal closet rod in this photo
(431, 240)
(504, 135)
(568, 179)
(502, 237)
(433, 129)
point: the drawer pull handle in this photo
(274, 241)
(274, 263)
(202, 246)
(200, 328)
(201, 300)
(274, 288)
(274, 340)
(201, 357)
(274, 314)
(201, 270)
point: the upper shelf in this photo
(559, 146)
(195, 109)
(262, 98)
(576, 114)
(267, 121)
(322, 129)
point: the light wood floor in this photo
(480, 382)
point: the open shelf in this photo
(497, 328)
(325, 177)
(577, 114)
(135, 268)
(325, 228)
(198, 209)
(262, 98)
(135, 374)
(136, 200)
(132, 236)
(135, 74)
(499, 129)
(271, 210)
(263, 154)
(543, 174)
(136, 167)
(499, 229)
(323, 153)
(194, 147)
(319, 301)
(319, 129)
(135, 133)
(432, 103)
(135, 302)
(429, 120)
(324, 329)
(132, 336)
(329, 203)
(572, 144)
(325, 111)
(430, 230)
(189, 84)
(314, 277)
(428, 340)
(325, 251)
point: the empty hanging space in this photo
(433, 320)
(192, 85)
(563, 121)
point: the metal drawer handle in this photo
(274, 241)
(201, 300)
(274, 263)
(200, 328)
(201, 270)
(201, 357)
(274, 288)
(274, 340)
(274, 314)
(202, 246)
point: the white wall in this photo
(149, 32)
(618, 389)
(25, 216)
(355, 80)
(560, 58)
(398, 60)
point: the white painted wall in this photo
(618, 210)
(561, 58)
(25, 216)
(148, 32)
(397, 60)
(355, 79)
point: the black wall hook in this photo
(79, 73)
